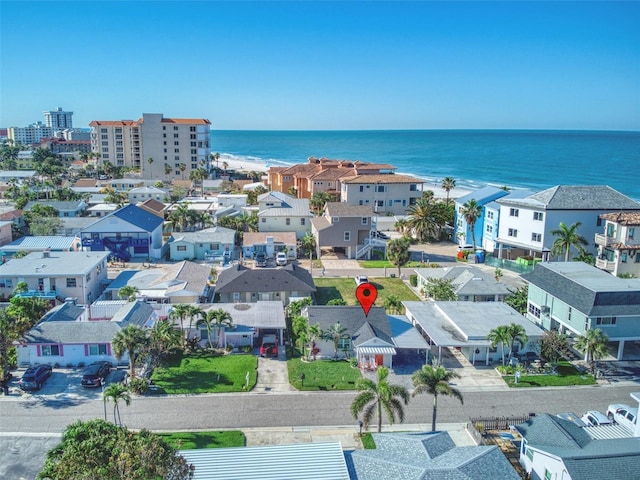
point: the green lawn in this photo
(388, 264)
(345, 288)
(193, 440)
(204, 373)
(322, 374)
(567, 376)
(367, 441)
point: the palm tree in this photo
(182, 168)
(375, 397)
(393, 304)
(163, 338)
(219, 319)
(471, 211)
(435, 380)
(567, 237)
(422, 222)
(335, 333)
(180, 312)
(131, 339)
(179, 216)
(150, 162)
(518, 334)
(499, 335)
(116, 392)
(193, 312)
(448, 184)
(594, 346)
(225, 165)
(167, 169)
(128, 292)
(314, 332)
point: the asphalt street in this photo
(246, 410)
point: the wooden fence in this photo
(478, 426)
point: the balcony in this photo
(606, 265)
(604, 240)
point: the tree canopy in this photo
(398, 252)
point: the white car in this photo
(623, 415)
(594, 418)
(361, 279)
(281, 259)
(463, 248)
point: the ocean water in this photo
(535, 159)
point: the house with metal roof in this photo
(373, 339)
(67, 336)
(211, 244)
(526, 223)
(56, 275)
(470, 284)
(619, 244)
(70, 208)
(465, 326)
(573, 297)
(51, 243)
(279, 212)
(241, 284)
(302, 461)
(483, 197)
(128, 232)
(553, 447)
(431, 455)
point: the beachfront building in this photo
(58, 119)
(483, 197)
(344, 228)
(386, 194)
(619, 245)
(492, 219)
(60, 145)
(54, 275)
(278, 212)
(573, 297)
(320, 175)
(31, 134)
(167, 148)
(526, 223)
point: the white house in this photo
(279, 212)
(619, 245)
(140, 194)
(526, 223)
(385, 193)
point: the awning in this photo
(377, 350)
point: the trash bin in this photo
(480, 256)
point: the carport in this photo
(406, 337)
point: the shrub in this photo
(139, 385)
(353, 361)
(413, 280)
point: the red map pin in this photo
(366, 294)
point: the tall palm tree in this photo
(335, 333)
(393, 304)
(517, 334)
(499, 335)
(116, 392)
(448, 184)
(131, 339)
(435, 380)
(375, 397)
(150, 162)
(471, 211)
(217, 319)
(193, 313)
(421, 221)
(163, 338)
(180, 312)
(567, 237)
(594, 346)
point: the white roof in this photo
(305, 461)
(57, 264)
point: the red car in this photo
(269, 346)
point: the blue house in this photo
(66, 209)
(129, 232)
(483, 196)
(492, 219)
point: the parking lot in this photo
(64, 383)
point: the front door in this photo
(379, 360)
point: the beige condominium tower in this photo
(161, 148)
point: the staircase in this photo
(369, 243)
(118, 248)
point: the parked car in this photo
(465, 247)
(34, 378)
(594, 418)
(281, 259)
(269, 346)
(623, 414)
(361, 279)
(378, 234)
(95, 374)
(261, 260)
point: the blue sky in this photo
(325, 65)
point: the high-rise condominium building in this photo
(31, 134)
(162, 148)
(58, 120)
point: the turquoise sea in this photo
(535, 159)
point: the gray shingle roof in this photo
(358, 326)
(286, 279)
(342, 209)
(208, 235)
(576, 197)
(588, 289)
(466, 280)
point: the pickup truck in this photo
(361, 279)
(269, 346)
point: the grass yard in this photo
(204, 373)
(345, 288)
(193, 440)
(322, 374)
(388, 264)
(367, 441)
(567, 376)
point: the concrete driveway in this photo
(273, 376)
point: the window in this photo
(623, 257)
(287, 221)
(631, 233)
(362, 188)
(192, 129)
(264, 220)
(344, 344)
(194, 151)
(71, 282)
(98, 349)
(175, 128)
(533, 310)
(547, 474)
(536, 237)
(364, 221)
(413, 187)
(50, 350)
(303, 221)
(489, 229)
(569, 314)
(538, 216)
(88, 277)
(381, 188)
(514, 212)
(379, 203)
(181, 248)
(489, 214)
(175, 135)
(606, 320)
(347, 236)
(512, 232)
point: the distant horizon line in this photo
(421, 130)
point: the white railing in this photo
(604, 264)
